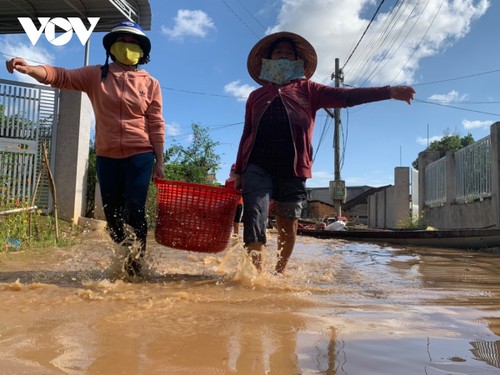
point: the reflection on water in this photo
(341, 308)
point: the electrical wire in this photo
(251, 14)
(456, 78)
(455, 107)
(240, 19)
(202, 93)
(324, 133)
(376, 44)
(362, 36)
(421, 40)
(384, 60)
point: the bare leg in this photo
(287, 233)
(255, 250)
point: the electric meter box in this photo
(338, 190)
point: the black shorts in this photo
(258, 187)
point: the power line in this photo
(251, 14)
(457, 78)
(455, 107)
(361, 38)
(416, 100)
(383, 61)
(377, 43)
(240, 19)
(202, 93)
(224, 126)
(421, 40)
(28, 60)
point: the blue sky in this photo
(446, 49)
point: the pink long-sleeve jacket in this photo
(127, 107)
(301, 98)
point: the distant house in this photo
(317, 209)
(356, 208)
(320, 204)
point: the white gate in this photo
(28, 118)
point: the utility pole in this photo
(337, 187)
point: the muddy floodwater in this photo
(340, 308)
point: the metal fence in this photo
(435, 183)
(473, 171)
(472, 175)
(28, 118)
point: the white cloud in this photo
(172, 129)
(320, 178)
(239, 91)
(477, 124)
(195, 23)
(34, 55)
(452, 96)
(397, 40)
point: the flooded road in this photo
(341, 308)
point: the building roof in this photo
(109, 11)
(361, 198)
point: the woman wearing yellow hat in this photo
(130, 130)
(275, 152)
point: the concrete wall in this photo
(72, 154)
(466, 215)
(401, 196)
(390, 207)
(480, 214)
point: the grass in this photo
(30, 229)
(413, 223)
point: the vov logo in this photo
(69, 25)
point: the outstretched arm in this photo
(405, 93)
(36, 71)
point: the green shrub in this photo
(28, 228)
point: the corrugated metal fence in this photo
(472, 175)
(28, 118)
(473, 171)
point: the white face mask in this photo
(281, 71)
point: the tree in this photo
(447, 143)
(195, 163)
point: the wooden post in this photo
(52, 189)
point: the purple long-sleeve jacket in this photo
(302, 99)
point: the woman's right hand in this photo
(38, 72)
(18, 64)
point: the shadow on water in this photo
(74, 279)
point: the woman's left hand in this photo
(158, 170)
(405, 93)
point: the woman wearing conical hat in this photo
(275, 151)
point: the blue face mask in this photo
(281, 71)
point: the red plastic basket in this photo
(194, 217)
